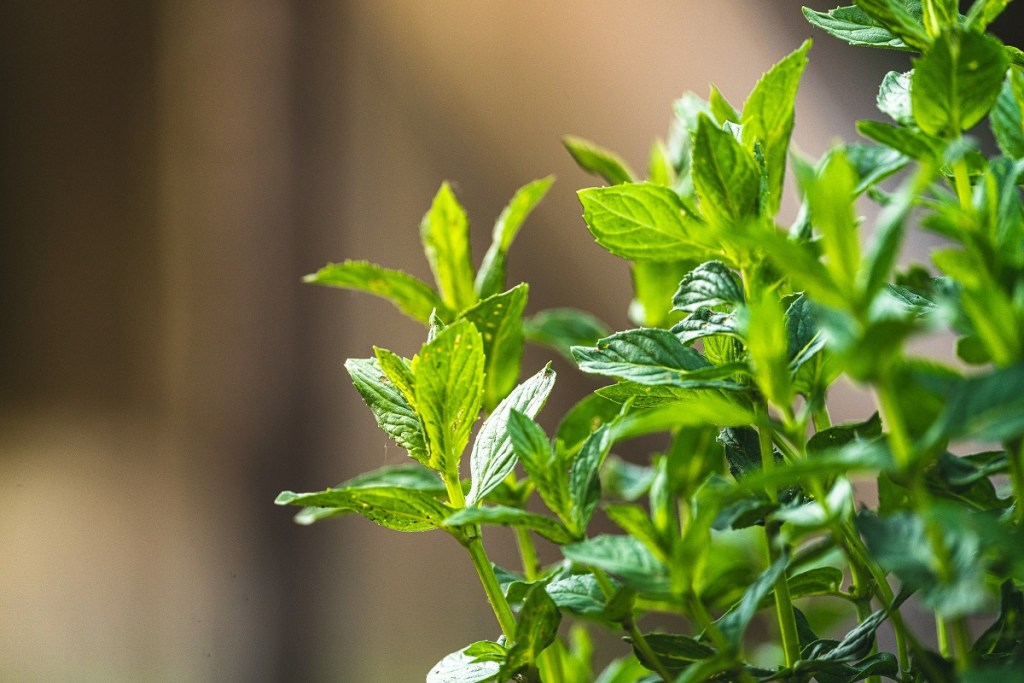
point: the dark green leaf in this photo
(493, 457)
(449, 391)
(413, 297)
(733, 624)
(579, 594)
(598, 161)
(674, 652)
(622, 556)
(957, 82)
(803, 340)
(709, 284)
(896, 16)
(501, 515)
(1006, 634)
(584, 482)
(840, 435)
(647, 355)
(987, 407)
(644, 221)
(854, 26)
(499, 319)
(490, 279)
(445, 235)
(827, 671)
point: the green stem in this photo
(484, 569)
(528, 554)
(962, 181)
(1015, 457)
(645, 648)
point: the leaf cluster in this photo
(759, 514)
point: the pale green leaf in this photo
(444, 231)
(490, 279)
(622, 556)
(725, 176)
(502, 515)
(894, 97)
(459, 667)
(854, 26)
(653, 284)
(1006, 119)
(499, 319)
(413, 297)
(598, 161)
(644, 221)
(393, 507)
(493, 456)
(449, 391)
(768, 119)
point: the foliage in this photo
(757, 511)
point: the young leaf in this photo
(490, 279)
(983, 12)
(763, 324)
(725, 176)
(721, 109)
(895, 15)
(598, 161)
(643, 221)
(733, 624)
(499, 319)
(768, 119)
(449, 391)
(413, 297)
(546, 470)
(445, 235)
(389, 406)
(939, 15)
(652, 282)
(584, 482)
(957, 82)
(400, 509)
(829, 195)
(536, 629)
(493, 457)
(709, 284)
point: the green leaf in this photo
(663, 408)
(733, 624)
(389, 406)
(855, 26)
(499, 318)
(1006, 119)
(584, 482)
(912, 143)
(502, 515)
(828, 671)
(643, 221)
(459, 667)
(829, 195)
(646, 355)
(940, 15)
(840, 435)
(622, 480)
(634, 520)
(725, 176)
(987, 407)
(894, 97)
(957, 82)
(768, 119)
(445, 235)
(493, 457)
(1006, 634)
(721, 109)
(490, 279)
(546, 471)
(983, 12)
(709, 284)
(588, 414)
(579, 594)
(895, 15)
(817, 581)
(536, 629)
(803, 339)
(674, 652)
(400, 509)
(622, 556)
(763, 324)
(653, 282)
(598, 161)
(413, 297)
(563, 328)
(449, 391)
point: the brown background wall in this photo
(168, 171)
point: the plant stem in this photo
(484, 569)
(645, 648)
(527, 553)
(1015, 458)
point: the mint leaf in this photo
(389, 406)
(725, 176)
(643, 221)
(829, 195)
(957, 82)
(459, 667)
(855, 26)
(536, 629)
(939, 15)
(709, 284)
(493, 457)
(445, 235)
(767, 119)
(647, 355)
(983, 12)
(1006, 119)
(449, 391)
(502, 515)
(652, 281)
(894, 97)
(490, 279)
(598, 161)
(413, 297)
(987, 407)
(546, 470)
(499, 318)
(897, 17)
(622, 556)
(563, 328)
(734, 623)
(397, 508)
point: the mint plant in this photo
(759, 514)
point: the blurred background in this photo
(168, 172)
